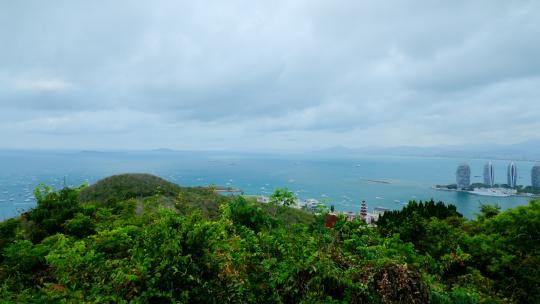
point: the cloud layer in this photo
(268, 74)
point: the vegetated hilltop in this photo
(146, 192)
(125, 186)
(140, 239)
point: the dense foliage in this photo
(496, 256)
(199, 247)
(528, 189)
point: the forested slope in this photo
(168, 244)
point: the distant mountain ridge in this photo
(523, 151)
(526, 151)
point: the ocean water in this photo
(342, 182)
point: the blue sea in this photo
(339, 181)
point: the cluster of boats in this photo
(22, 198)
(19, 191)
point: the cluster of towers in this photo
(463, 175)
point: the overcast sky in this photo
(250, 75)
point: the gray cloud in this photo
(279, 74)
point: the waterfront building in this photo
(489, 175)
(512, 175)
(378, 211)
(535, 176)
(330, 220)
(263, 199)
(463, 176)
(310, 204)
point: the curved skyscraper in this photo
(512, 175)
(535, 176)
(489, 175)
(463, 176)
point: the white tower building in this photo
(489, 175)
(535, 176)
(512, 175)
(463, 176)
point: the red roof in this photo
(330, 220)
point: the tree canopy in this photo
(194, 246)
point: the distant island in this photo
(495, 190)
(377, 181)
(489, 187)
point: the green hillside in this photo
(137, 238)
(125, 186)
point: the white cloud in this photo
(288, 74)
(42, 85)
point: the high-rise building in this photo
(535, 176)
(463, 176)
(489, 175)
(512, 175)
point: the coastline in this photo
(486, 193)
